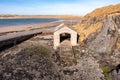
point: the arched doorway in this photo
(63, 33)
(65, 36)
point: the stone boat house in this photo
(63, 32)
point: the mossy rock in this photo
(106, 72)
(40, 51)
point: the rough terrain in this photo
(100, 32)
(36, 59)
(96, 57)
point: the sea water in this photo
(25, 21)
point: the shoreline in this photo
(64, 17)
(11, 29)
(27, 27)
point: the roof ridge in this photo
(61, 26)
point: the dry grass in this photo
(85, 32)
(104, 11)
(118, 45)
(93, 21)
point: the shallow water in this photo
(25, 21)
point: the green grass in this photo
(106, 72)
(40, 51)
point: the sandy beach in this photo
(12, 29)
(9, 35)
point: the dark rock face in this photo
(115, 73)
(118, 68)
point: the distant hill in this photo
(41, 16)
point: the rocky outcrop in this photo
(100, 34)
(106, 39)
(105, 44)
(86, 67)
(36, 63)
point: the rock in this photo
(85, 68)
(29, 64)
(115, 73)
(107, 37)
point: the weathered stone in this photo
(106, 39)
(64, 29)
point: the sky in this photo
(52, 7)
